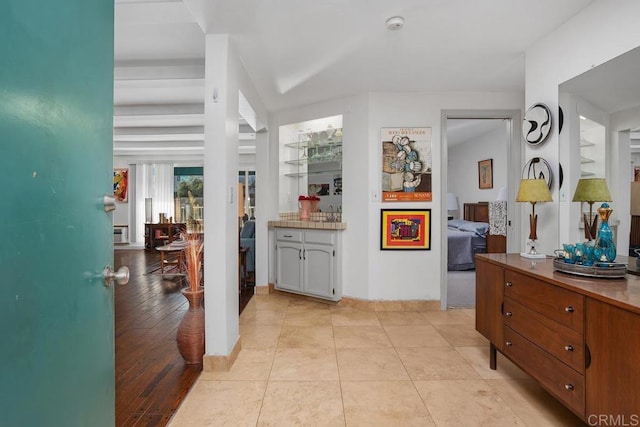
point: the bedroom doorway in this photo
(480, 164)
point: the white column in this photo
(220, 198)
(264, 208)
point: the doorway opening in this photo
(481, 161)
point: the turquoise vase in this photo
(605, 248)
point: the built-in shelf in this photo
(585, 143)
(307, 173)
(584, 160)
(311, 162)
(312, 144)
(585, 173)
(316, 157)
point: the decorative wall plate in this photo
(538, 168)
(536, 125)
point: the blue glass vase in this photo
(605, 248)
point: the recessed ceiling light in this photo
(395, 23)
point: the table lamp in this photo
(452, 204)
(533, 191)
(591, 190)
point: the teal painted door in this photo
(56, 114)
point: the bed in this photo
(467, 237)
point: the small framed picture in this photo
(405, 229)
(485, 174)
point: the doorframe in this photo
(514, 154)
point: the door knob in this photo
(110, 275)
(109, 203)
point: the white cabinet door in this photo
(319, 270)
(289, 266)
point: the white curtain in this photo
(155, 181)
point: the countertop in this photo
(313, 225)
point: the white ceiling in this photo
(299, 52)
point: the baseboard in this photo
(361, 304)
(211, 362)
(393, 305)
(263, 290)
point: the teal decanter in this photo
(605, 248)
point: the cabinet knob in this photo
(509, 284)
(568, 347)
(508, 343)
(509, 314)
(568, 386)
(568, 309)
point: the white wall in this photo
(463, 167)
(416, 275)
(368, 272)
(600, 32)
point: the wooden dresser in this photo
(578, 337)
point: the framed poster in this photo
(405, 229)
(121, 184)
(485, 174)
(406, 164)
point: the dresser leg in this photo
(492, 356)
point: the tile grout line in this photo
(395, 349)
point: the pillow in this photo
(480, 228)
(455, 223)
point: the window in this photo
(188, 194)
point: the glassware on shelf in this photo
(315, 144)
(301, 139)
(330, 133)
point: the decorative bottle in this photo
(605, 248)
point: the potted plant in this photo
(190, 335)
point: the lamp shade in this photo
(452, 202)
(534, 191)
(592, 190)
(503, 195)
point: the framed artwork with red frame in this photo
(405, 229)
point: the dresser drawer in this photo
(559, 379)
(559, 340)
(559, 304)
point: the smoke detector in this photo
(395, 23)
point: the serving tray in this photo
(600, 270)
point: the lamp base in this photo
(532, 256)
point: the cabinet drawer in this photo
(559, 379)
(288, 235)
(559, 304)
(559, 340)
(320, 237)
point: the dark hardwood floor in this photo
(151, 377)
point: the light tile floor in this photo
(307, 363)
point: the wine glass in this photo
(302, 139)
